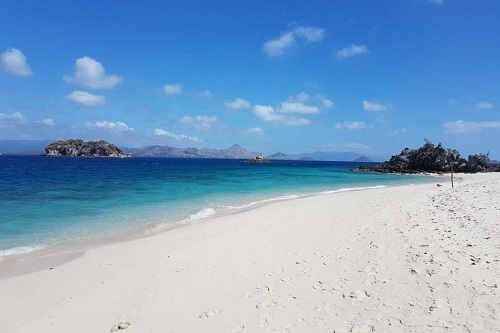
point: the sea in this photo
(58, 201)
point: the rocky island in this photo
(431, 158)
(80, 148)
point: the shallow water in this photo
(51, 201)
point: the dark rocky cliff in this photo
(79, 148)
(434, 159)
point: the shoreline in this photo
(396, 259)
(9, 263)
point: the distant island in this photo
(37, 147)
(80, 148)
(431, 158)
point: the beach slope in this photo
(418, 258)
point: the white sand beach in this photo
(418, 258)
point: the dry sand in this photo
(417, 258)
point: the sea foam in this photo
(19, 250)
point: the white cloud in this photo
(161, 132)
(85, 98)
(351, 51)
(254, 130)
(268, 114)
(113, 127)
(311, 34)
(290, 107)
(16, 117)
(48, 122)
(376, 107)
(172, 89)
(327, 103)
(238, 103)
(200, 123)
(13, 62)
(277, 47)
(301, 97)
(91, 74)
(465, 127)
(485, 105)
(351, 125)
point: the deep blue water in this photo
(49, 201)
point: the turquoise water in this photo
(51, 201)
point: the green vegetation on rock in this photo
(80, 148)
(433, 158)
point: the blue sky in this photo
(298, 76)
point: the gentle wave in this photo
(19, 250)
(347, 189)
(202, 214)
(253, 203)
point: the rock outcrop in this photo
(433, 158)
(79, 148)
(259, 159)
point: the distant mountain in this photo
(363, 159)
(233, 152)
(23, 147)
(319, 156)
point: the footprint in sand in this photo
(358, 296)
(362, 328)
(120, 326)
(210, 313)
(266, 304)
(319, 321)
(266, 319)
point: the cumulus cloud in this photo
(311, 34)
(199, 123)
(238, 103)
(298, 107)
(376, 107)
(351, 51)
(48, 122)
(91, 74)
(304, 97)
(351, 125)
(279, 46)
(85, 98)
(254, 130)
(160, 132)
(16, 117)
(172, 89)
(117, 127)
(484, 105)
(269, 114)
(466, 127)
(327, 103)
(13, 62)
